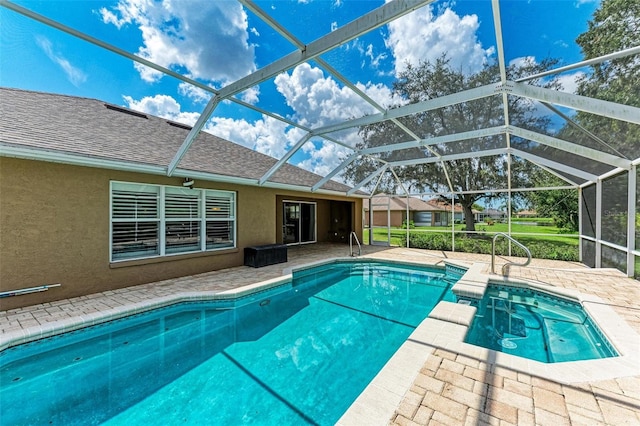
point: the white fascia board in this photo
(37, 154)
(86, 161)
(581, 103)
(444, 158)
(553, 165)
(570, 147)
(431, 104)
(455, 137)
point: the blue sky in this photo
(218, 42)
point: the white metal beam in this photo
(193, 133)
(54, 24)
(354, 29)
(582, 130)
(620, 54)
(285, 158)
(581, 103)
(572, 148)
(554, 165)
(430, 104)
(368, 179)
(631, 221)
(460, 156)
(111, 48)
(455, 137)
(334, 172)
(556, 173)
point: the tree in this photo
(462, 176)
(559, 204)
(615, 26)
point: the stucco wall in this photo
(380, 218)
(54, 228)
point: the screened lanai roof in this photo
(272, 80)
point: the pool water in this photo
(537, 326)
(300, 353)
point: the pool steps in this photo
(473, 283)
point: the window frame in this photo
(164, 219)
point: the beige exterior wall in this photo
(380, 218)
(54, 228)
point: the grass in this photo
(548, 243)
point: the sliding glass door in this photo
(299, 222)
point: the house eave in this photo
(37, 154)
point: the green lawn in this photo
(550, 243)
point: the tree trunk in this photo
(469, 221)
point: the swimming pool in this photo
(535, 325)
(297, 353)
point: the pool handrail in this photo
(506, 265)
(351, 237)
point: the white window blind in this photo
(154, 220)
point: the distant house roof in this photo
(493, 212)
(87, 131)
(400, 203)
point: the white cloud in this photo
(425, 36)
(251, 95)
(322, 160)
(570, 81)
(318, 100)
(162, 106)
(210, 41)
(267, 135)
(75, 75)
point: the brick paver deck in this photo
(451, 388)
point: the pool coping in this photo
(25, 335)
(378, 402)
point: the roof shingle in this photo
(91, 128)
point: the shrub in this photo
(411, 224)
(482, 244)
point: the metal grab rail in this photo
(506, 265)
(27, 290)
(351, 237)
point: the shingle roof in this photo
(91, 128)
(400, 203)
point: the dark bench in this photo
(269, 254)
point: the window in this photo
(153, 220)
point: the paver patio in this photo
(450, 388)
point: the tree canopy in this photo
(466, 177)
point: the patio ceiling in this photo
(591, 160)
